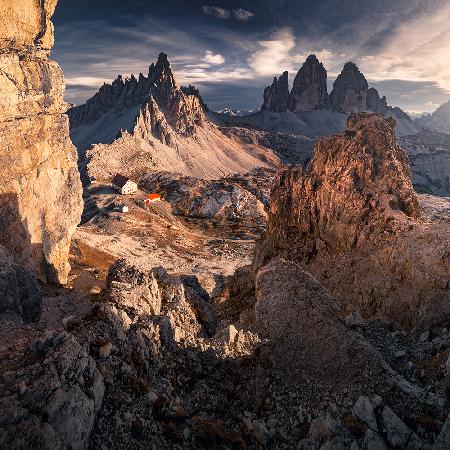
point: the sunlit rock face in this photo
(40, 193)
(353, 220)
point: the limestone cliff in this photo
(353, 220)
(309, 91)
(276, 96)
(349, 94)
(40, 193)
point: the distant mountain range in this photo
(437, 121)
(148, 123)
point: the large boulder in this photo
(307, 337)
(353, 221)
(40, 194)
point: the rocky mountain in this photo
(349, 94)
(353, 215)
(149, 123)
(148, 97)
(438, 121)
(276, 96)
(40, 194)
(321, 115)
(309, 91)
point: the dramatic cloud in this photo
(419, 50)
(274, 54)
(213, 59)
(232, 50)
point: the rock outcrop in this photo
(353, 221)
(181, 300)
(349, 94)
(40, 194)
(276, 96)
(51, 402)
(20, 292)
(309, 91)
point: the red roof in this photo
(153, 196)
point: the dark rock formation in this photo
(349, 93)
(375, 103)
(300, 319)
(353, 220)
(276, 96)
(20, 292)
(52, 401)
(309, 91)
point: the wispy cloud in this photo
(419, 50)
(215, 11)
(240, 14)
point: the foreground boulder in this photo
(308, 339)
(52, 401)
(154, 292)
(40, 194)
(20, 292)
(353, 221)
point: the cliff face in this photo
(349, 94)
(276, 96)
(40, 193)
(309, 91)
(353, 221)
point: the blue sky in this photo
(232, 49)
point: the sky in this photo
(232, 49)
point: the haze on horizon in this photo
(232, 49)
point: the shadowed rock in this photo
(276, 96)
(309, 91)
